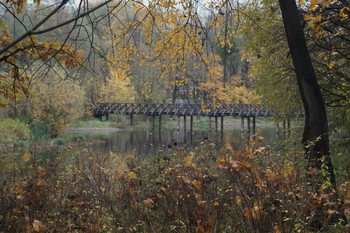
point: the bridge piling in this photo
(254, 127)
(131, 119)
(178, 122)
(248, 123)
(222, 123)
(153, 122)
(185, 123)
(191, 124)
(156, 109)
(160, 122)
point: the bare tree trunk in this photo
(315, 137)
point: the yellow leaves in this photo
(184, 179)
(344, 13)
(47, 44)
(37, 225)
(313, 4)
(26, 157)
(331, 65)
(301, 2)
(131, 175)
(117, 87)
(197, 184)
(188, 160)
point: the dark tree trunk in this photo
(315, 137)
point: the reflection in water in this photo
(147, 142)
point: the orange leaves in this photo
(255, 212)
(197, 184)
(36, 226)
(313, 4)
(19, 5)
(148, 202)
(26, 157)
(344, 13)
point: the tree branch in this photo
(33, 32)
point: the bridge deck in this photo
(243, 110)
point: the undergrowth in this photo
(200, 190)
(12, 130)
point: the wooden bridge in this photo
(210, 110)
(243, 110)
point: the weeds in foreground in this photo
(201, 190)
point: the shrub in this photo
(78, 138)
(21, 144)
(60, 141)
(40, 131)
(12, 130)
(199, 190)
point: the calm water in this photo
(148, 142)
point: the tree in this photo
(266, 48)
(327, 30)
(18, 53)
(55, 103)
(316, 135)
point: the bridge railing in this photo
(182, 109)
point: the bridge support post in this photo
(210, 123)
(216, 123)
(178, 122)
(153, 122)
(242, 124)
(185, 123)
(191, 124)
(131, 119)
(160, 122)
(254, 126)
(248, 123)
(222, 123)
(107, 117)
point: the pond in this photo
(148, 142)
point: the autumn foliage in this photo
(246, 190)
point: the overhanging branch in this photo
(34, 32)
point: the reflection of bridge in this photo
(241, 110)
